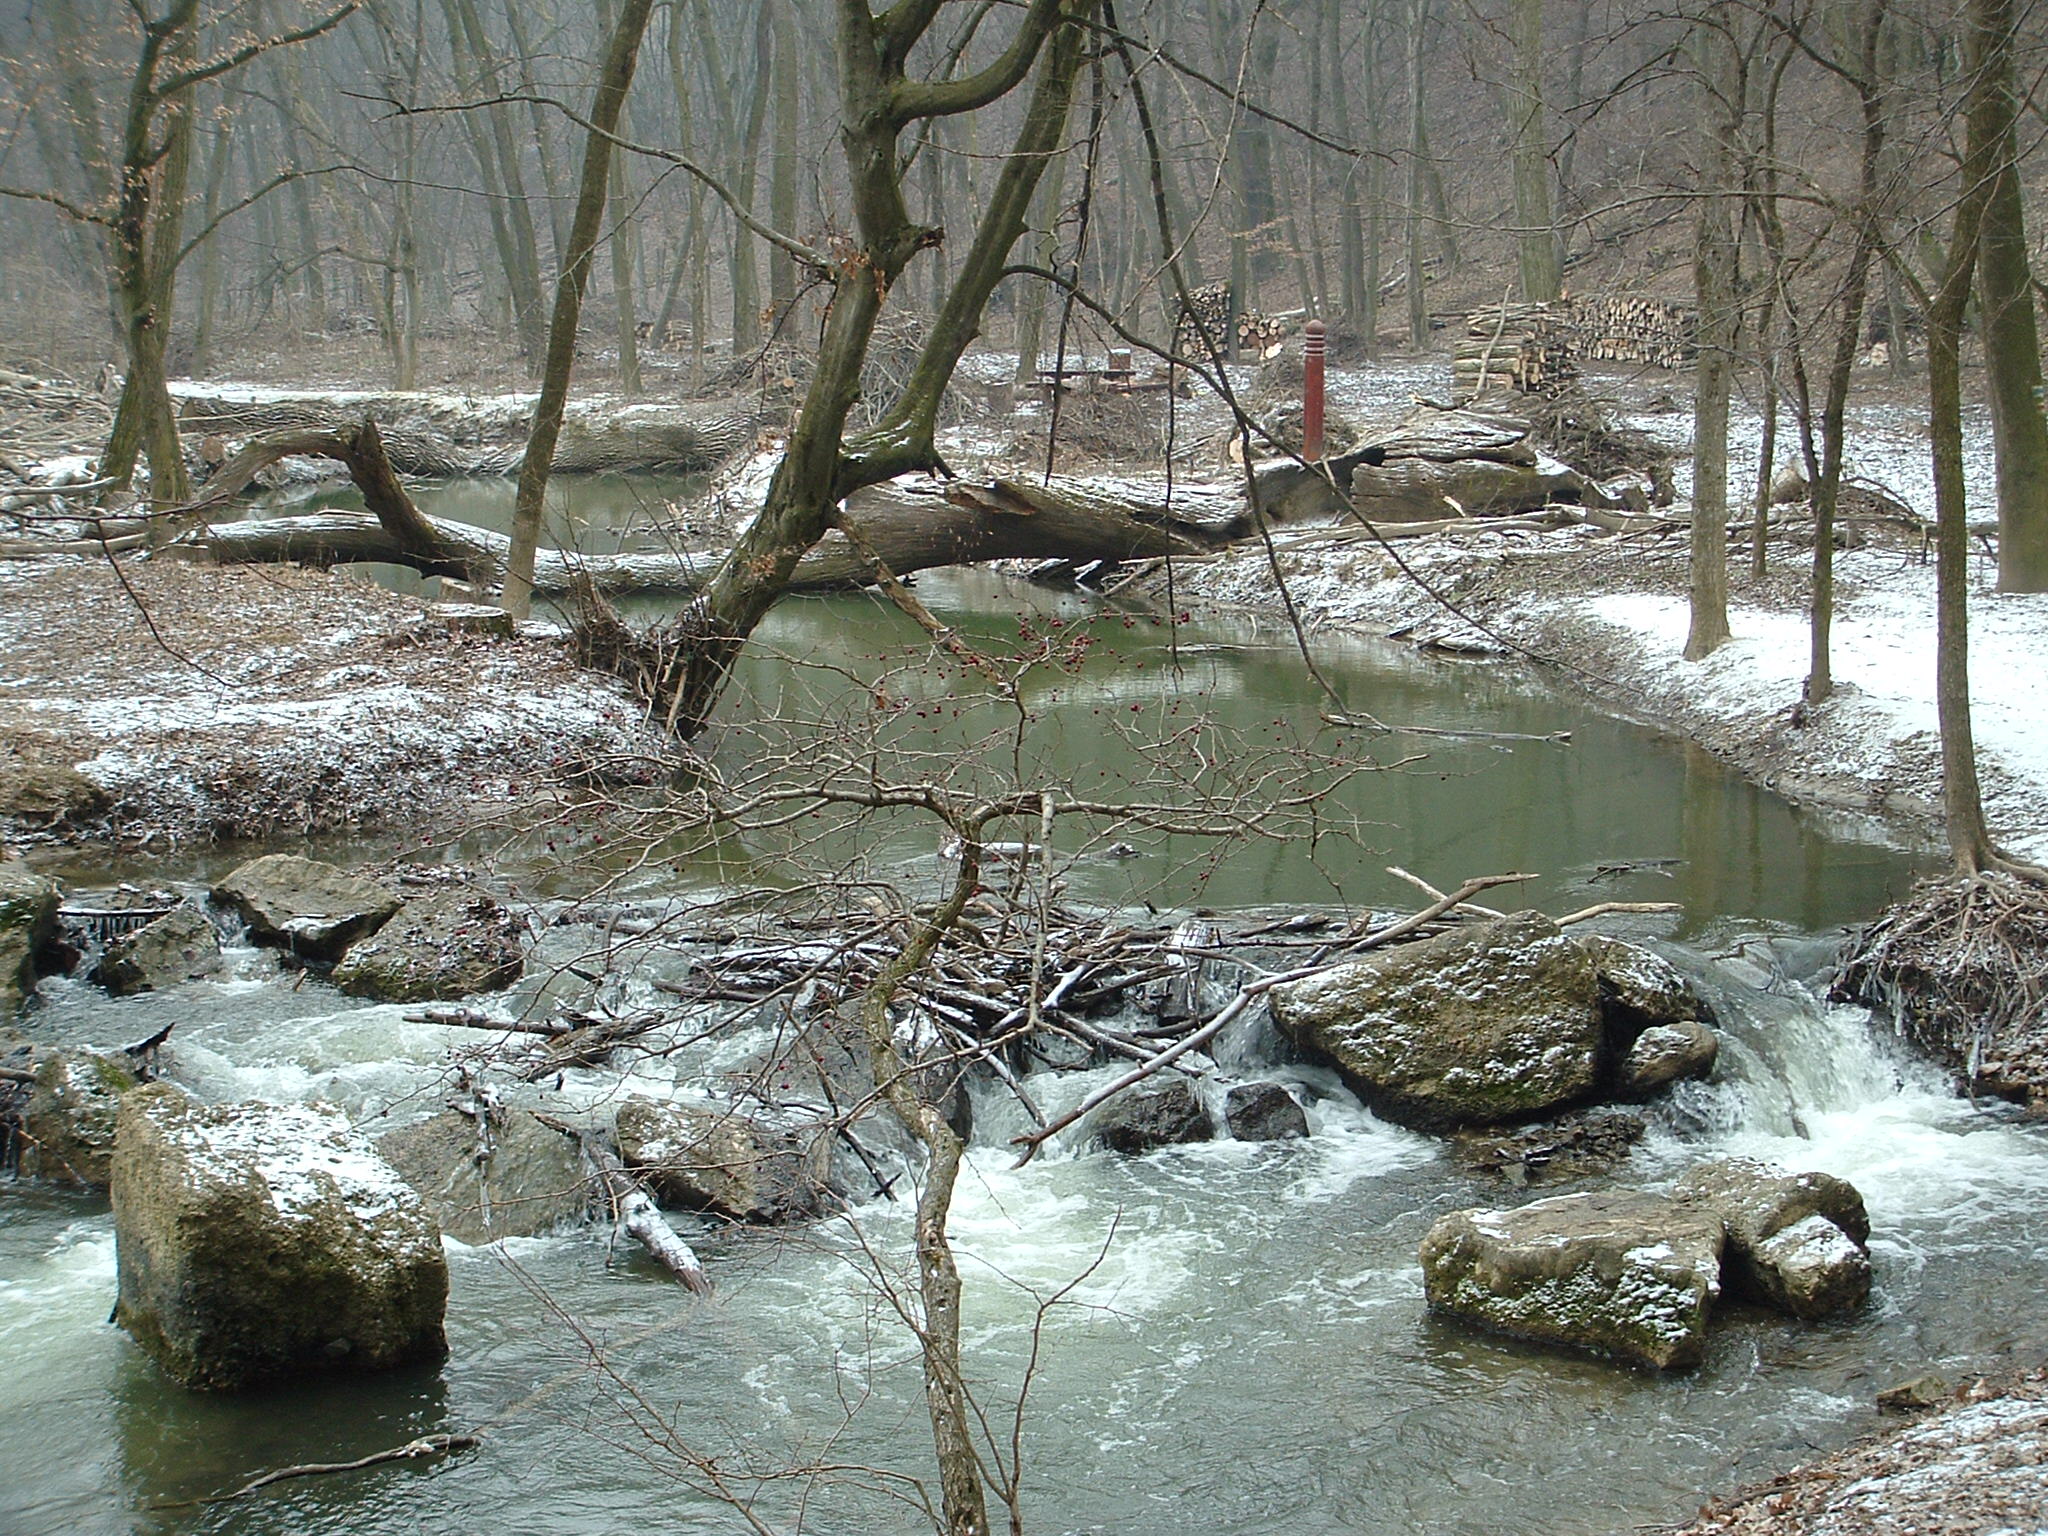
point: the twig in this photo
(1603, 908)
(412, 1450)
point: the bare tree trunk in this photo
(1714, 267)
(621, 55)
(1418, 144)
(1536, 244)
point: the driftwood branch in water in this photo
(412, 1450)
(639, 1217)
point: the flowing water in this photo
(1225, 1338)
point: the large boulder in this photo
(258, 1242)
(313, 909)
(1499, 1021)
(449, 944)
(1263, 1112)
(1616, 1273)
(67, 1128)
(514, 1177)
(1796, 1242)
(722, 1162)
(1151, 1115)
(179, 946)
(28, 925)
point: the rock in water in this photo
(450, 944)
(722, 1162)
(1499, 1021)
(179, 946)
(1641, 984)
(1796, 1242)
(517, 1178)
(1150, 1115)
(315, 910)
(28, 923)
(1616, 1273)
(1665, 1054)
(258, 1242)
(1263, 1112)
(68, 1127)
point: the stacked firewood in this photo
(1523, 347)
(1627, 329)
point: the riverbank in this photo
(156, 704)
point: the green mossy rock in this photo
(28, 924)
(313, 909)
(521, 1179)
(1623, 1274)
(259, 1243)
(68, 1126)
(450, 944)
(1496, 1022)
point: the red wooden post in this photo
(1312, 391)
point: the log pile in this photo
(1629, 329)
(1527, 348)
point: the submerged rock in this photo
(1263, 1112)
(1152, 1115)
(515, 1177)
(257, 1242)
(179, 946)
(1569, 1147)
(1796, 1242)
(68, 1126)
(722, 1162)
(1498, 1021)
(1618, 1273)
(446, 945)
(313, 909)
(28, 925)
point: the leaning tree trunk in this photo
(617, 79)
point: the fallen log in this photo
(641, 1219)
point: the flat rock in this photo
(1616, 1273)
(179, 946)
(722, 1162)
(315, 910)
(1152, 1115)
(1796, 1242)
(1263, 1112)
(258, 1243)
(1498, 1021)
(28, 925)
(448, 944)
(514, 1178)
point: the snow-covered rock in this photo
(1616, 1273)
(449, 944)
(722, 1162)
(68, 1125)
(1796, 1242)
(315, 910)
(260, 1242)
(1498, 1021)
(28, 916)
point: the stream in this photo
(1225, 1337)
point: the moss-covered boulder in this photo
(314, 909)
(67, 1128)
(722, 1162)
(1496, 1022)
(179, 946)
(1152, 1115)
(449, 944)
(1624, 1274)
(1796, 1241)
(28, 926)
(512, 1177)
(257, 1243)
